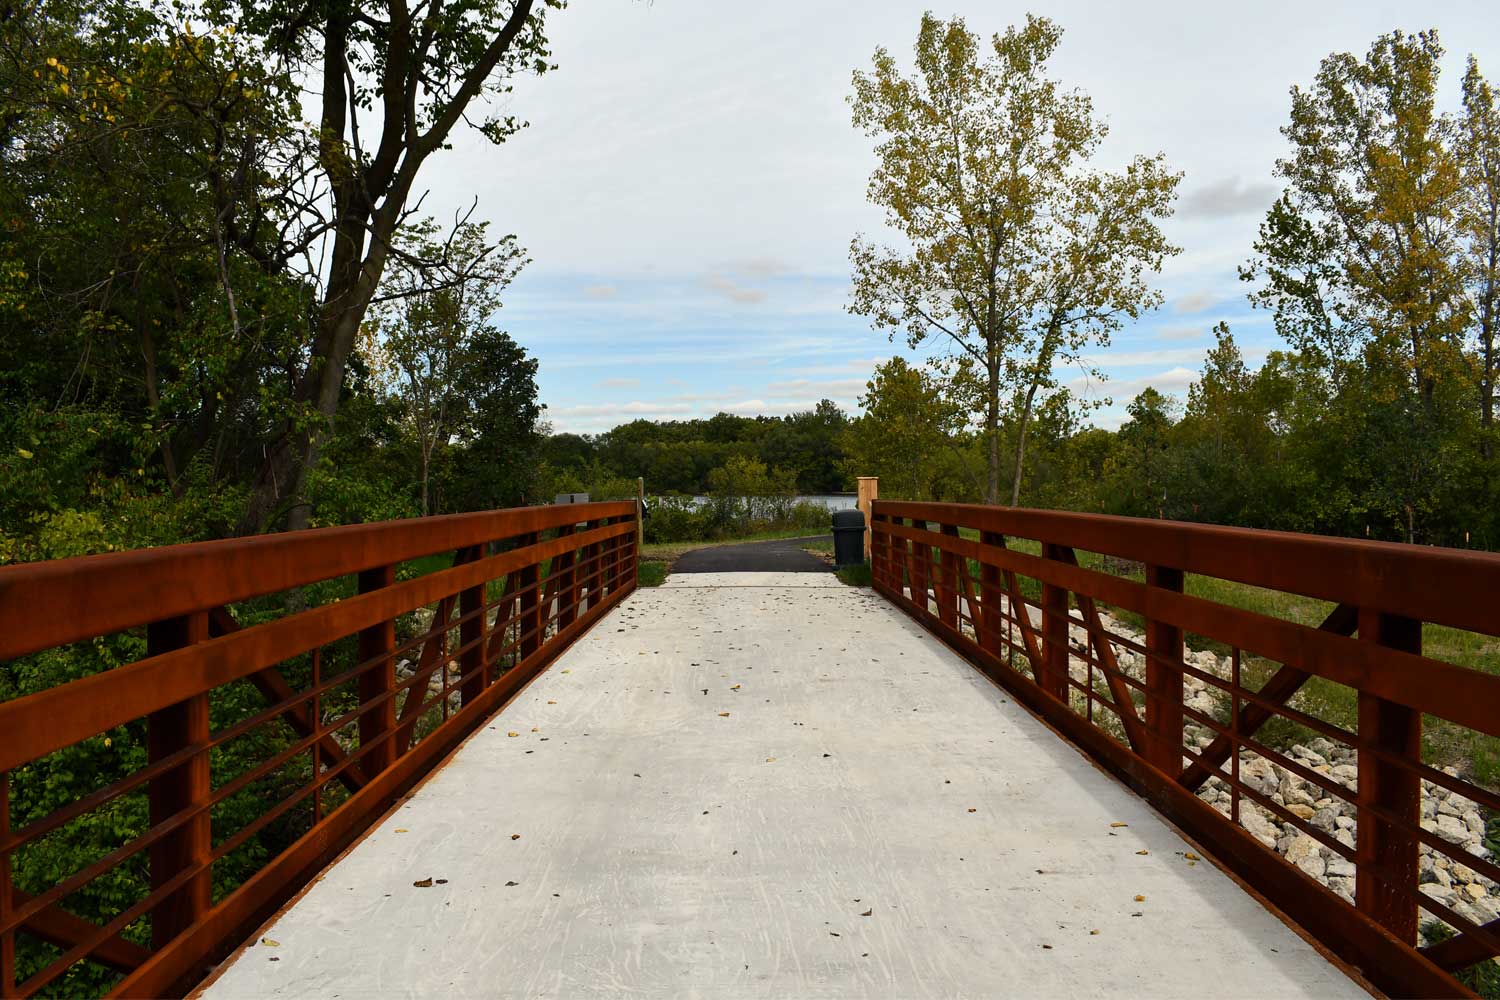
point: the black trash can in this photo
(848, 537)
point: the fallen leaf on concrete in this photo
(834, 933)
(770, 760)
(1094, 931)
(1140, 899)
(868, 913)
(1143, 853)
(1117, 823)
(723, 715)
(1191, 856)
(512, 733)
(422, 883)
(1046, 947)
(402, 829)
(269, 943)
(551, 702)
(442, 881)
(508, 884)
(535, 729)
(567, 671)
(973, 810)
(515, 836)
(734, 687)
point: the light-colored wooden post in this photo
(640, 514)
(869, 492)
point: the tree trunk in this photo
(1015, 488)
(992, 434)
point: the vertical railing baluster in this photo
(1164, 679)
(567, 582)
(1381, 842)
(921, 561)
(315, 713)
(7, 937)
(1054, 679)
(473, 637)
(951, 566)
(378, 680)
(989, 597)
(531, 619)
(1234, 737)
(168, 731)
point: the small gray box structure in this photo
(572, 498)
(848, 537)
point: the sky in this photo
(690, 181)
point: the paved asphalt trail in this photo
(784, 555)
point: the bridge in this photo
(1044, 754)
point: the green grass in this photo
(651, 572)
(857, 575)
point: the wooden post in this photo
(566, 568)
(640, 513)
(921, 564)
(1164, 680)
(168, 731)
(1397, 791)
(1054, 679)
(379, 680)
(869, 492)
(7, 938)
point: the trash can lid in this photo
(849, 518)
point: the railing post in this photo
(951, 564)
(377, 723)
(1381, 843)
(473, 636)
(565, 566)
(921, 564)
(7, 938)
(531, 619)
(1054, 679)
(987, 623)
(1164, 680)
(168, 731)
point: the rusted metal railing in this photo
(1049, 625)
(240, 711)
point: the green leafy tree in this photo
(1017, 253)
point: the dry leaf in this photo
(1140, 899)
(422, 883)
(269, 943)
(770, 760)
(734, 687)
(973, 810)
(515, 836)
(567, 671)
(1191, 856)
(551, 702)
(535, 729)
(723, 715)
(1117, 823)
(402, 829)
(868, 913)
(512, 883)
(1143, 853)
(512, 733)
(1094, 931)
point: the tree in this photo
(390, 84)
(1361, 259)
(908, 425)
(1478, 144)
(1019, 254)
(427, 333)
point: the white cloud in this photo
(733, 292)
(618, 383)
(1183, 333)
(832, 389)
(600, 292)
(1123, 390)
(1193, 302)
(1228, 197)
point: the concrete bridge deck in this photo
(753, 785)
